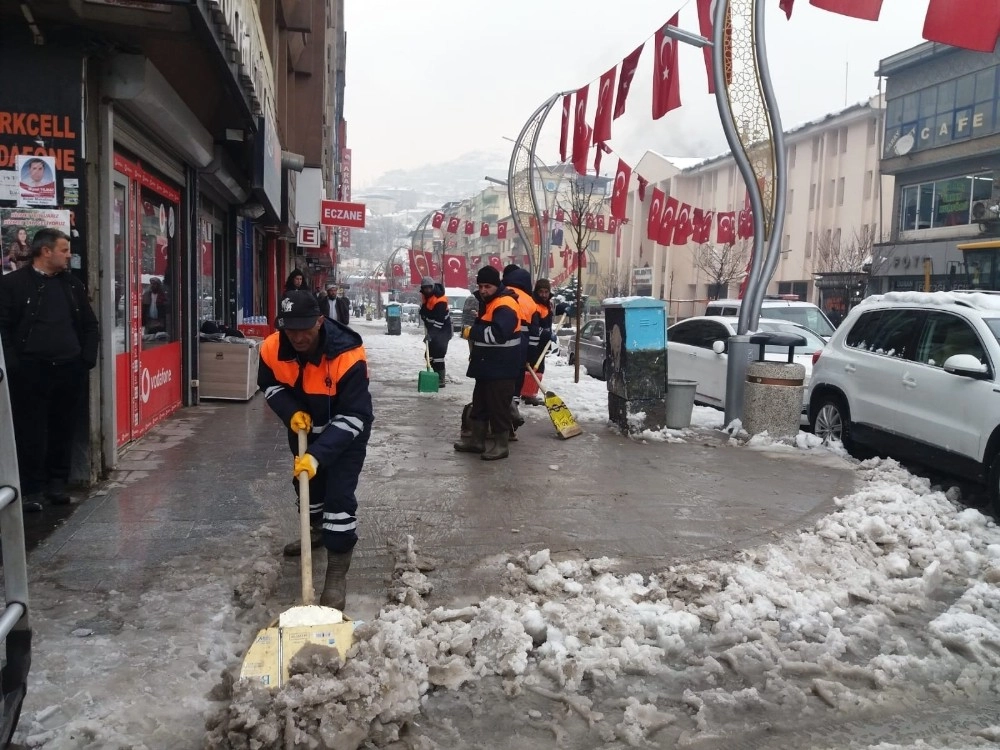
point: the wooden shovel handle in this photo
(308, 594)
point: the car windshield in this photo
(813, 342)
(810, 317)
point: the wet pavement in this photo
(220, 470)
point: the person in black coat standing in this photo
(436, 314)
(50, 336)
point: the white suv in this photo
(917, 376)
(804, 313)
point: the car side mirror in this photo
(966, 366)
(719, 347)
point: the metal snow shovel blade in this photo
(428, 381)
(562, 418)
(268, 657)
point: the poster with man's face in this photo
(36, 181)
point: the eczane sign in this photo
(342, 214)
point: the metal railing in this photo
(15, 630)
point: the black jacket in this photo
(19, 305)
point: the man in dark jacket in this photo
(338, 305)
(518, 281)
(50, 337)
(436, 315)
(495, 362)
(314, 375)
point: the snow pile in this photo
(892, 601)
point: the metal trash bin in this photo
(393, 319)
(680, 402)
(773, 398)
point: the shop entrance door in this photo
(147, 347)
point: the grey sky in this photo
(430, 81)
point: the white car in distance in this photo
(697, 350)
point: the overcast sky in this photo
(430, 81)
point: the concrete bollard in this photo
(773, 398)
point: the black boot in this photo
(335, 586)
(476, 442)
(32, 503)
(499, 449)
(440, 371)
(515, 415)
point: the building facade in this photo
(170, 129)
(942, 146)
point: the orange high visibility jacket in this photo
(497, 352)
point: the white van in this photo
(456, 301)
(803, 313)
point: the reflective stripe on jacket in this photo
(497, 351)
(332, 387)
(436, 315)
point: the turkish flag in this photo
(470, 227)
(397, 270)
(682, 228)
(655, 214)
(455, 271)
(484, 230)
(605, 104)
(438, 220)
(475, 260)
(619, 196)
(496, 262)
(612, 225)
(589, 221)
(502, 230)
(744, 227)
(642, 186)
(666, 81)
(435, 269)
(971, 24)
(726, 232)
(560, 215)
(583, 259)
(629, 64)
(746, 276)
(867, 10)
(581, 132)
(702, 222)
(706, 18)
(786, 5)
(574, 219)
(552, 260)
(566, 255)
(600, 223)
(419, 266)
(453, 224)
(564, 127)
(668, 221)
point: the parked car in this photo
(915, 376)
(593, 349)
(803, 313)
(697, 350)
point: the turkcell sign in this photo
(342, 214)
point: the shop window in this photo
(157, 267)
(943, 203)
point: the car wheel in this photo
(832, 421)
(569, 359)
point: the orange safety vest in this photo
(525, 305)
(317, 379)
(493, 304)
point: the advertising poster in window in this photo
(17, 230)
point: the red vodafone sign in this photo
(342, 214)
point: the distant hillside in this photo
(447, 181)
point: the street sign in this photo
(308, 236)
(342, 214)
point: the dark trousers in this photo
(491, 403)
(333, 505)
(45, 399)
(437, 349)
(519, 380)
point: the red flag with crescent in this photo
(419, 266)
(643, 182)
(970, 24)
(702, 226)
(484, 230)
(496, 262)
(455, 271)
(666, 81)
(612, 225)
(502, 230)
(600, 223)
(581, 131)
(475, 260)
(867, 10)
(725, 234)
(453, 224)
(619, 195)
(668, 221)
(682, 226)
(438, 220)
(397, 270)
(470, 227)
(786, 5)
(629, 64)
(605, 105)
(655, 214)
(706, 18)
(574, 219)
(560, 215)
(567, 105)
(435, 269)
(588, 221)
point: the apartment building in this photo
(174, 133)
(837, 209)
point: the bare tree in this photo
(584, 199)
(722, 264)
(835, 255)
(613, 283)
